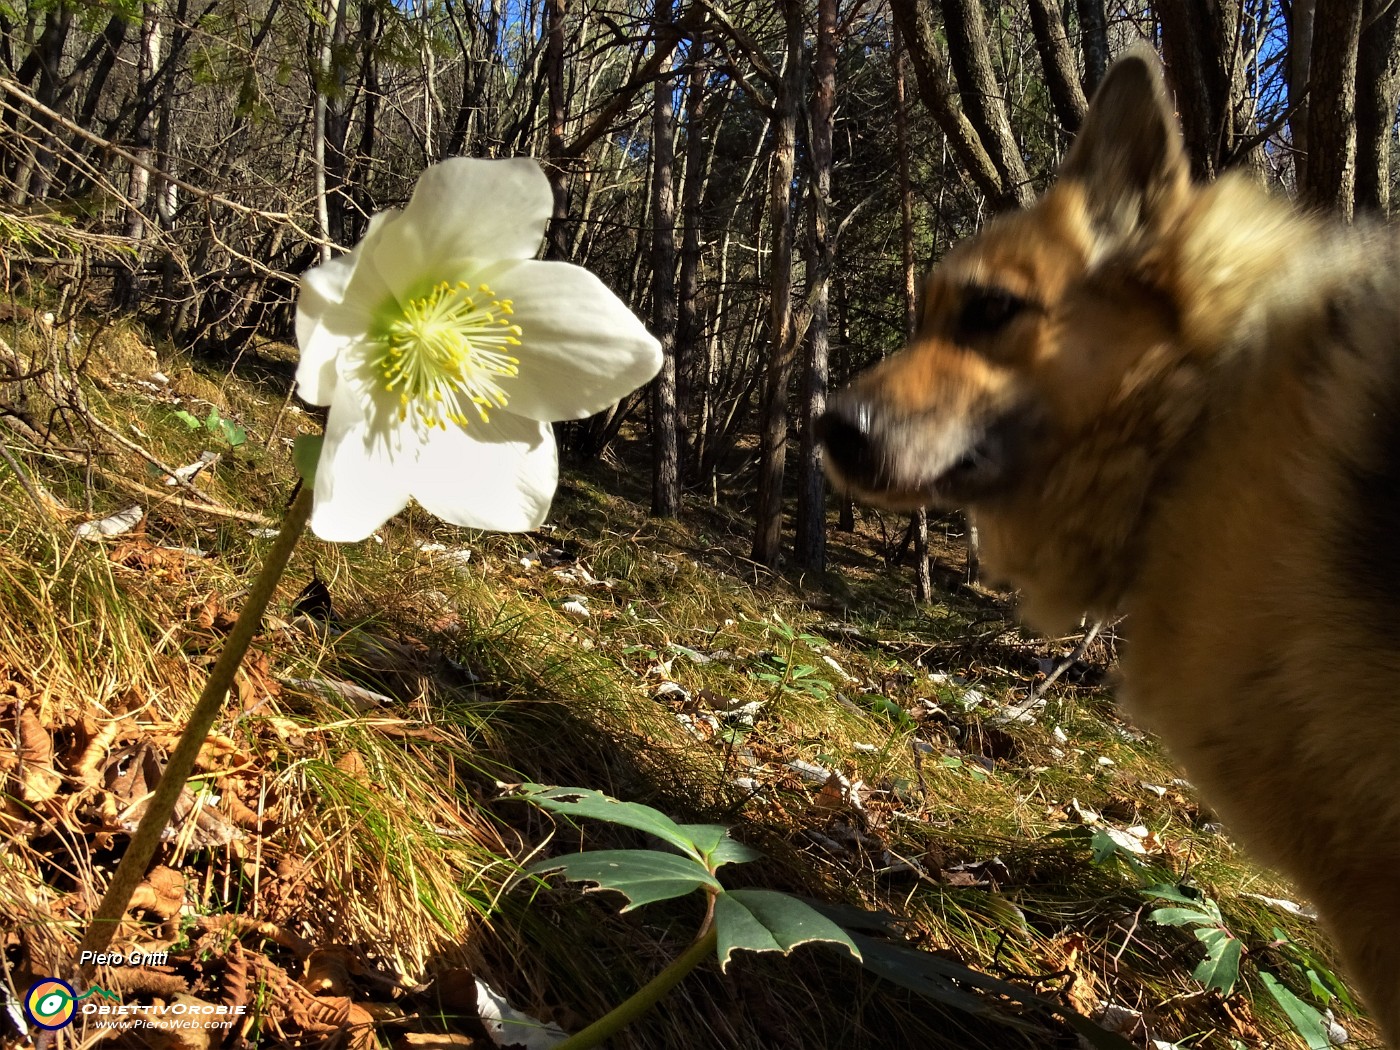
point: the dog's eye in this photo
(986, 311)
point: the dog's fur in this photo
(1182, 403)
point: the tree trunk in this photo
(691, 369)
(665, 478)
(1331, 181)
(557, 243)
(357, 175)
(337, 125)
(923, 578)
(127, 289)
(1297, 66)
(100, 59)
(918, 525)
(930, 62)
(810, 548)
(773, 424)
(1057, 60)
(1093, 31)
(37, 153)
(1377, 96)
(1192, 57)
(983, 97)
(905, 188)
(1204, 54)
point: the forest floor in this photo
(347, 865)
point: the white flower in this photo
(444, 350)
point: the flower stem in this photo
(649, 994)
(132, 869)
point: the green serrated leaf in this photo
(904, 967)
(1319, 991)
(717, 846)
(232, 433)
(1220, 969)
(883, 705)
(1168, 892)
(1183, 917)
(1103, 845)
(1305, 1020)
(768, 921)
(188, 419)
(585, 802)
(641, 875)
(1324, 984)
(211, 421)
(1076, 833)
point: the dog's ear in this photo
(1129, 153)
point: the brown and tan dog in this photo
(1182, 403)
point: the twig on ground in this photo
(1037, 689)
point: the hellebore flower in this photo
(444, 350)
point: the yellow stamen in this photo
(447, 350)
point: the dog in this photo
(1180, 403)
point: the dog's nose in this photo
(844, 431)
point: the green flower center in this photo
(446, 351)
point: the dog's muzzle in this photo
(844, 432)
(904, 462)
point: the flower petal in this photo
(499, 475)
(582, 348)
(333, 309)
(465, 208)
(322, 288)
(360, 479)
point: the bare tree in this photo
(1377, 98)
(999, 176)
(918, 525)
(773, 419)
(810, 551)
(665, 479)
(1093, 30)
(1057, 60)
(1331, 170)
(694, 361)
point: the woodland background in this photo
(762, 180)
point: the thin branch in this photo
(97, 140)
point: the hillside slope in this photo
(346, 863)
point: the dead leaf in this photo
(241, 926)
(1067, 953)
(255, 682)
(141, 980)
(193, 1037)
(241, 814)
(328, 971)
(162, 894)
(38, 779)
(212, 616)
(436, 1041)
(132, 772)
(353, 763)
(90, 760)
(509, 1027)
